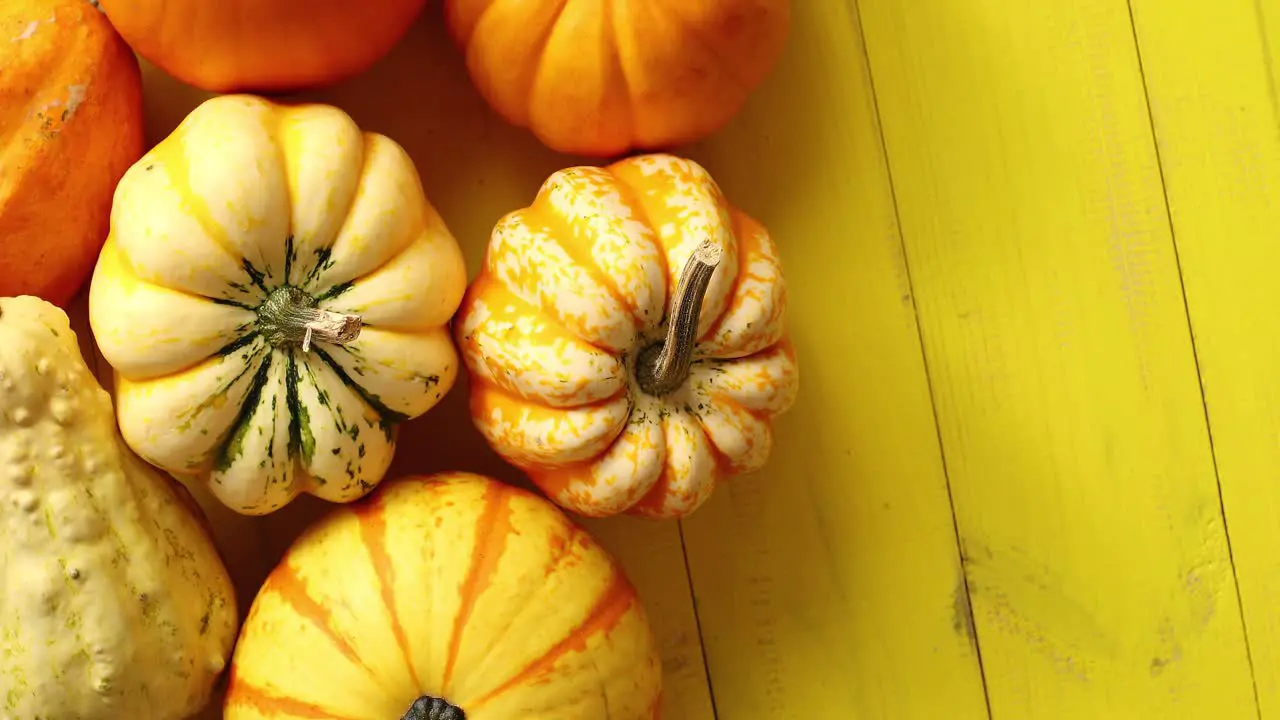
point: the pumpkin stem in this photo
(663, 367)
(433, 708)
(289, 317)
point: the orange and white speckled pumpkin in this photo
(626, 338)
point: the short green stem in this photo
(663, 367)
(289, 317)
(433, 708)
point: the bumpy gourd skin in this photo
(115, 603)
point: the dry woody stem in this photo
(289, 317)
(663, 367)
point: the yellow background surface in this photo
(1034, 471)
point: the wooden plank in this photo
(828, 585)
(1211, 71)
(474, 169)
(1064, 378)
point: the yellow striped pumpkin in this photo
(448, 596)
(274, 296)
(626, 338)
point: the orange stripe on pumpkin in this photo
(610, 608)
(240, 692)
(493, 529)
(373, 533)
(289, 587)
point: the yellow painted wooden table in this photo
(1034, 471)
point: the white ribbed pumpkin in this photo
(274, 296)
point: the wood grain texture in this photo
(1211, 71)
(1063, 372)
(828, 585)
(474, 168)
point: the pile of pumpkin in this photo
(276, 297)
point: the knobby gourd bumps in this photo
(274, 296)
(115, 603)
(440, 597)
(626, 338)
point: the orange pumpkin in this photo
(600, 78)
(626, 338)
(442, 595)
(71, 123)
(262, 45)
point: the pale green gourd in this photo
(115, 602)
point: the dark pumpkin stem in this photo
(289, 317)
(663, 367)
(433, 708)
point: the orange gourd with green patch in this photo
(71, 123)
(626, 338)
(440, 598)
(600, 78)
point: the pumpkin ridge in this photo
(524, 107)
(569, 537)
(301, 442)
(370, 143)
(654, 503)
(302, 267)
(520, 399)
(631, 196)
(610, 608)
(233, 346)
(389, 418)
(479, 290)
(579, 250)
(243, 693)
(611, 19)
(728, 67)
(493, 529)
(289, 586)
(722, 461)
(233, 447)
(657, 179)
(373, 535)
(247, 360)
(170, 154)
(737, 222)
(491, 310)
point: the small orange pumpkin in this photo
(71, 123)
(601, 78)
(446, 596)
(626, 338)
(262, 45)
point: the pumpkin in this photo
(262, 45)
(445, 596)
(602, 78)
(274, 297)
(116, 603)
(71, 123)
(626, 338)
